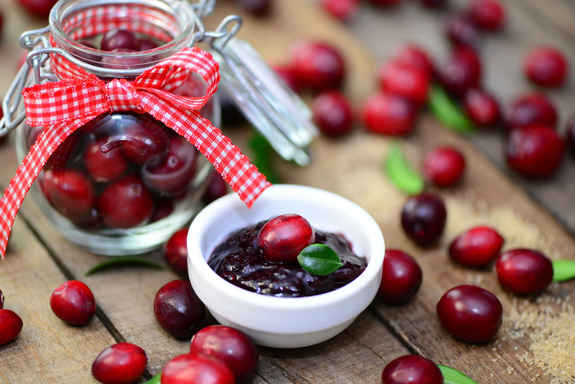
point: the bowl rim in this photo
(231, 201)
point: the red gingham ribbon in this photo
(80, 97)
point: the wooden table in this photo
(48, 351)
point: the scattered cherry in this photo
(481, 107)
(1, 299)
(332, 113)
(196, 369)
(405, 80)
(462, 71)
(470, 313)
(228, 345)
(529, 109)
(461, 31)
(119, 39)
(122, 363)
(524, 271)
(444, 166)
(103, 166)
(401, 277)
(258, 8)
(217, 187)
(288, 75)
(176, 252)
(73, 302)
(476, 247)
(411, 369)
(423, 218)
(389, 114)
(570, 136)
(69, 192)
(10, 326)
(434, 4)
(178, 309)
(385, 3)
(318, 65)
(284, 237)
(416, 56)
(38, 8)
(534, 151)
(340, 9)
(488, 15)
(546, 66)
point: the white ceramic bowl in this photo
(279, 321)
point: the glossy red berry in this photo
(103, 166)
(73, 302)
(444, 166)
(196, 369)
(318, 66)
(416, 56)
(258, 8)
(530, 109)
(176, 252)
(69, 192)
(122, 363)
(38, 8)
(163, 208)
(228, 345)
(476, 247)
(217, 187)
(546, 66)
(488, 15)
(462, 71)
(404, 80)
(178, 310)
(146, 45)
(481, 107)
(524, 271)
(461, 31)
(434, 4)
(470, 314)
(340, 9)
(411, 369)
(389, 114)
(333, 114)
(570, 136)
(401, 277)
(125, 203)
(119, 39)
(10, 326)
(423, 218)
(289, 76)
(534, 151)
(284, 237)
(385, 3)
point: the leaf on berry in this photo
(452, 376)
(563, 270)
(449, 113)
(319, 259)
(401, 173)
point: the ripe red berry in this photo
(401, 277)
(481, 107)
(176, 252)
(404, 80)
(217, 188)
(389, 114)
(1, 299)
(434, 4)
(476, 247)
(414, 55)
(228, 345)
(534, 151)
(103, 166)
(461, 31)
(318, 66)
(257, 8)
(384, 3)
(462, 71)
(119, 39)
(470, 314)
(196, 369)
(524, 271)
(332, 113)
(546, 66)
(411, 369)
(69, 192)
(288, 75)
(444, 166)
(125, 203)
(121, 363)
(73, 302)
(570, 136)
(284, 237)
(38, 8)
(423, 218)
(340, 9)
(488, 15)
(530, 109)
(10, 326)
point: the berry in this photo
(434, 4)
(176, 252)
(164, 208)
(401, 277)
(461, 31)
(125, 203)
(524, 271)
(318, 66)
(1, 299)
(284, 237)
(10, 326)
(534, 151)
(476, 247)
(228, 345)
(121, 363)
(120, 39)
(103, 166)
(546, 66)
(389, 114)
(146, 45)
(470, 314)
(488, 15)
(462, 71)
(530, 109)
(416, 56)
(288, 75)
(384, 3)
(73, 302)
(340, 9)
(423, 218)
(332, 113)
(258, 8)
(69, 192)
(481, 107)
(217, 188)
(570, 136)
(411, 369)
(38, 8)
(444, 166)
(404, 80)
(196, 369)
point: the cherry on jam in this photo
(476, 247)
(530, 109)
(318, 66)
(69, 192)
(104, 166)
(405, 80)
(119, 39)
(411, 369)
(488, 15)
(546, 66)
(10, 326)
(284, 237)
(524, 271)
(401, 277)
(481, 107)
(176, 252)
(197, 369)
(73, 302)
(122, 363)
(444, 166)
(125, 203)
(332, 113)
(389, 114)
(423, 218)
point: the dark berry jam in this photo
(240, 261)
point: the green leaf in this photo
(563, 270)
(319, 259)
(452, 376)
(262, 157)
(155, 380)
(401, 173)
(446, 111)
(123, 261)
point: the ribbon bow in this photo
(79, 97)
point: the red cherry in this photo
(340, 9)
(197, 369)
(571, 134)
(401, 277)
(488, 15)
(461, 31)
(73, 302)
(481, 107)
(384, 3)
(119, 39)
(318, 66)
(470, 314)
(178, 309)
(10, 326)
(125, 203)
(332, 113)
(257, 8)
(546, 66)
(284, 237)
(434, 4)
(533, 108)
(462, 71)
(524, 271)
(176, 252)
(389, 114)
(476, 247)
(103, 166)
(121, 363)
(411, 369)
(423, 218)
(1, 299)
(404, 80)
(444, 166)
(60, 157)
(534, 151)
(164, 208)
(288, 75)
(69, 192)
(416, 56)
(217, 187)
(146, 44)
(228, 345)
(38, 8)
